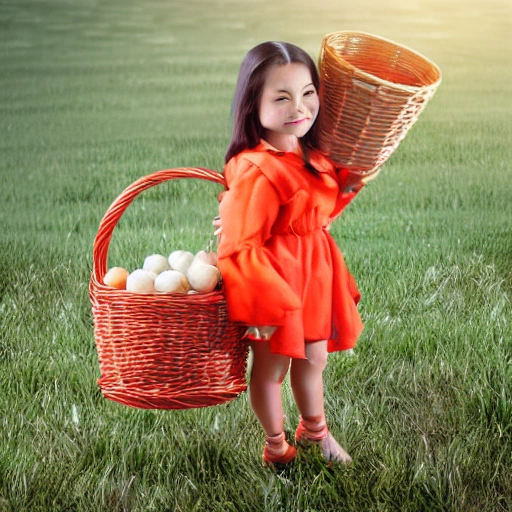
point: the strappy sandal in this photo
(274, 461)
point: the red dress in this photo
(279, 264)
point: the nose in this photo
(299, 105)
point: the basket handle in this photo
(118, 207)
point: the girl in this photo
(282, 271)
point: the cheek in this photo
(315, 106)
(268, 116)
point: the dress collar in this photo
(321, 163)
(264, 145)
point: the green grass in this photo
(94, 95)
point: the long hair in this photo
(247, 129)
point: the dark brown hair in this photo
(247, 130)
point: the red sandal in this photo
(277, 461)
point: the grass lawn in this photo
(94, 95)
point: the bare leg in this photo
(306, 378)
(308, 390)
(267, 375)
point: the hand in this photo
(260, 333)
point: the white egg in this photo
(174, 256)
(182, 262)
(156, 263)
(171, 281)
(141, 281)
(203, 278)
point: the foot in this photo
(277, 452)
(314, 431)
(333, 452)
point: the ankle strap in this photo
(275, 440)
(315, 427)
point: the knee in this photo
(317, 359)
(270, 371)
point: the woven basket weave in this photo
(163, 351)
(373, 91)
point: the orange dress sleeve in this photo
(256, 292)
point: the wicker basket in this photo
(373, 91)
(163, 351)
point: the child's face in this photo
(289, 105)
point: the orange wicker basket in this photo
(163, 351)
(373, 91)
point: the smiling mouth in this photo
(297, 121)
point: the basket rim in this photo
(376, 79)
